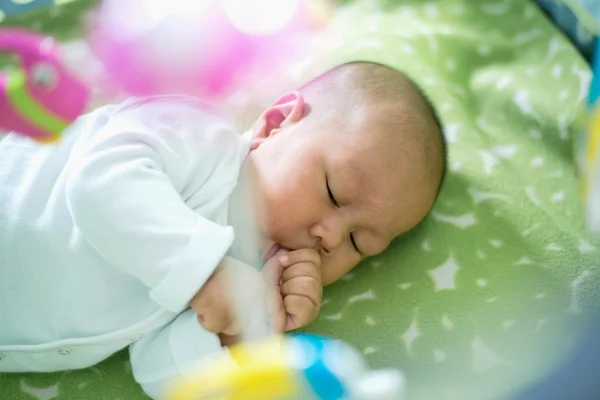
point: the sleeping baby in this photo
(122, 233)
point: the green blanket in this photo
(497, 285)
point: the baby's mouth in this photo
(271, 251)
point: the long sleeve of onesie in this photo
(108, 234)
(140, 189)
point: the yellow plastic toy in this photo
(302, 367)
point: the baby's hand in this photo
(213, 304)
(298, 276)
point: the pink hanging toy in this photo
(41, 97)
(199, 47)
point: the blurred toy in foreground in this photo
(300, 367)
(40, 97)
(199, 47)
(589, 151)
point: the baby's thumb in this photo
(277, 311)
(272, 272)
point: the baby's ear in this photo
(288, 109)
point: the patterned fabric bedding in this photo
(496, 287)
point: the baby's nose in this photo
(327, 235)
(331, 241)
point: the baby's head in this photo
(347, 163)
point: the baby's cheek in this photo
(336, 266)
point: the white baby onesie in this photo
(106, 236)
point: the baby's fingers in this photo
(300, 256)
(272, 272)
(302, 300)
(300, 270)
(277, 312)
(304, 286)
(300, 310)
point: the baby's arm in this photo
(126, 185)
(163, 357)
(166, 355)
(227, 306)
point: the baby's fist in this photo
(301, 287)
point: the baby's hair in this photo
(359, 82)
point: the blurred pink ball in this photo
(199, 47)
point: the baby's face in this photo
(342, 194)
